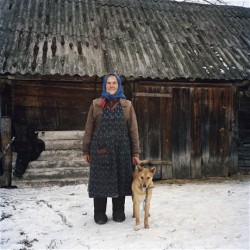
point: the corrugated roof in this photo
(148, 38)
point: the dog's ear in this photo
(138, 167)
(152, 170)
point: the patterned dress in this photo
(110, 154)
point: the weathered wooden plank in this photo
(154, 131)
(166, 137)
(6, 92)
(234, 132)
(152, 94)
(219, 134)
(181, 132)
(148, 87)
(186, 130)
(205, 131)
(196, 133)
(225, 130)
(6, 156)
(156, 162)
(142, 113)
(213, 166)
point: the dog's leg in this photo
(137, 213)
(133, 205)
(146, 213)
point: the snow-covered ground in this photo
(199, 215)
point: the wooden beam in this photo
(155, 162)
(152, 94)
(6, 150)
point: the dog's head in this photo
(145, 175)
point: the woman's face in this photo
(111, 85)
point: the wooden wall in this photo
(187, 131)
(52, 105)
(244, 128)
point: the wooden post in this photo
(6, 155)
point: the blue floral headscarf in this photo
(118, 94)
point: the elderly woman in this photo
(111, 146)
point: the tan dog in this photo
(142, 191)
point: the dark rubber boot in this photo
(100, 205)
(118, 209)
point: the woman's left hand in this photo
(136, 160)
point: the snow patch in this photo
(188, 216)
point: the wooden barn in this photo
(185, 66)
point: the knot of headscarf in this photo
(118, 94)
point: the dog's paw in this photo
(146, 226)
(137, 227)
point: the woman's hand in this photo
(136, 160)
(86, 158)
